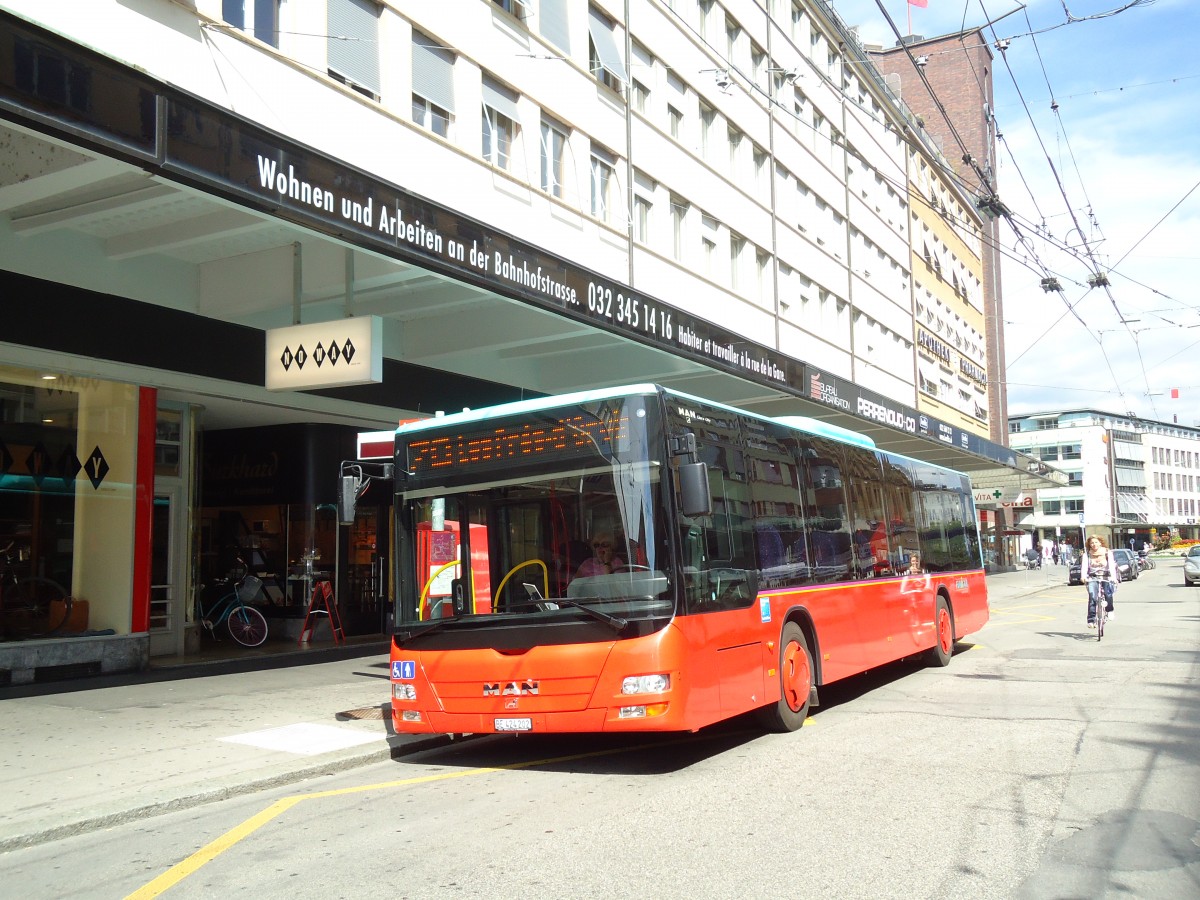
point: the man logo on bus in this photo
(528, 687)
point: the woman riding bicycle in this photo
(1100, 575)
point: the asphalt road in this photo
(1040, 764)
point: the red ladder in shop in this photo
(322, 604)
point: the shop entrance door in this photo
(364, 605)
(168, 612)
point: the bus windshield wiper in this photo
(535, 597)
(430, 626)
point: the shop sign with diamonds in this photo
(325, 354)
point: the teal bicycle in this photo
(246, 625)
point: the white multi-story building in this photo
(498, 197)
(1127, 478)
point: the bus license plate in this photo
(514, 724)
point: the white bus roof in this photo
(517, 407)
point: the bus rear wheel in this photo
(795, 683)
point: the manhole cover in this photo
(369, 712)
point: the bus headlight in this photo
(404, 691)
(646, 684)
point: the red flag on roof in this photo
(1174, 393)
(921, 3)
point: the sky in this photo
(1108, 182)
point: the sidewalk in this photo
(81, 756)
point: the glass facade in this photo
(68, 450)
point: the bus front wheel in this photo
(943, 634)
(795, 682)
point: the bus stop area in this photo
(82, 756)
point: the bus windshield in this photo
(559, 513)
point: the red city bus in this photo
(644, 560)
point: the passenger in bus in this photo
(916, 580)
(603, 561)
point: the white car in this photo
(1191, 566)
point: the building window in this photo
(603, 178)
(708, 118)
(554, 149)
(708, 15)
(515, 7)
(431, 116)
(641, 219)
(643, 189)
(708, 244)
(499, 122)
(553, 24)
(353, 45)
(735, 151)
(1051, 507)
(675, 122)
(641, 96)
(643, 63)
(762, 272)
(604, 59)
(733, 32)
(760, 172)
(432, 84)
(259, 17)
(737, 244)
(758, 63)
(679, 211)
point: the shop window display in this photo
(67, 469)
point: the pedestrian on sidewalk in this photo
(1100, 575)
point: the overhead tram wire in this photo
(1054, 108)
(1153, 227)
(1095, 265)
(1098, 277)
(967, 158)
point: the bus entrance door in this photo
(444, 591)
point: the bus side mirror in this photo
(347, 498)
(694, 496)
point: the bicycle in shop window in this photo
(245, 624)
(30, 606)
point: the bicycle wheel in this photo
(36, 607)
(247, 626)
(1101, 617)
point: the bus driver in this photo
(602, 560)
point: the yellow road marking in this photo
(211, 851)
(206, 854)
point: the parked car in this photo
(1191, 566)
(1075, 572)
(1127, 565)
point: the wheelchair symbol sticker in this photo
(404, 670)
